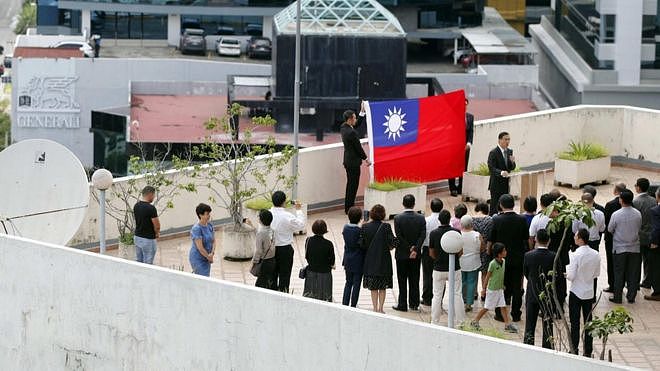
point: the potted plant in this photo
(252, 207)
(124, 193)
(583, 163)
(616, 320)
(390, 192)
(475, 184)
(236, 170)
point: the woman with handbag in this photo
(377, 239)
(320, 256)
(203, 242)
(263, 259)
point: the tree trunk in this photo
(555, 296)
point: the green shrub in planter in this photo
(392, 185)
(581, 151)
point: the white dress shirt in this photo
(432, 222)
(285, 224)
(539, 221)
(596, 229)
(584, 266)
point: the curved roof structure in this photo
(339, 17)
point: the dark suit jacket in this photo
(496, 165)
(410, 228)
(469, 127)
(510, 229)
(377, 260)
(655, 226)
(536, 263)
(353, 152)
(610, 207)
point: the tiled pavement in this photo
(639, 349)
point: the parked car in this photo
(83, 46)
(259, 47)
(7, 62)
(192, 41)
(254, 29)
(229, 46)
(225, 30)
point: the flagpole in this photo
(370, 141)
(296, 103)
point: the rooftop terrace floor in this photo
(639, 349)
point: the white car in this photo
(87, 50)
(229, 46)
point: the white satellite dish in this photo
(44, 192)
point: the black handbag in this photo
(302, 274)
(256, 267)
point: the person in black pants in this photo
(284, 225)
(432, 222)
(457, 189)
(500, 163)
(610, 207)
(654, 250)
(536, 265)
(510, 228)
(353, 257)
(410, 229)
(353, 156)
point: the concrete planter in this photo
(253, 215)
(126, 251)
(475, 187)
(392, 200)
(577, 173)
(238, 245)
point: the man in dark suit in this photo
(654, 250)
(510, 228)
(500, 163)
(536, 265)
(457, 189)
(610, 208)
(353, 156)
(410, 229)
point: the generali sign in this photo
(49, 103)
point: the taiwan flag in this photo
(419, 140)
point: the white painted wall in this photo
(628, 41)
(173, 29)
(69, 309)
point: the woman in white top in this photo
(470, 260)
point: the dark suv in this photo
(259, 47)
(192, 41)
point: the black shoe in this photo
(414, 309)
(499, 319)
(399, 309)
(645, 285)
(426, 303)
(515, 319)
(613, 300)
(609, 289)
(631, 301)
(654, 297)
(454, 193)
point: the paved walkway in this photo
(639, 349)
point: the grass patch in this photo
(494, 333)
(392, 185)
(582, 151)
(483, 170)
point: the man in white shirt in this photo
(284, 225)
(583, 269)
(599, 222)
(540, 220)
(432, 222)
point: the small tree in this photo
(237, 170)
(27, 18)
(155, 172)
(562, 214)
(616, 320)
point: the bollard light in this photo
(102, 180)
(452, 244)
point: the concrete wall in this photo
(103, 83)
(68, 309)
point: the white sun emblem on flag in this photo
(394, 124)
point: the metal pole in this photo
(102, 222)
(452, 269)
(296, 103)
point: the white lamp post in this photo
(452, 243)
(102, 180)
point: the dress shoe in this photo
(631, 301)
(645, 285)
(609, 289)
(427, 304)
(414, 309)
(515, 319)
(613, 300)
(655, 297)
(399, 309)
(454, 193)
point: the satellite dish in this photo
(44, 192)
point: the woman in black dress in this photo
(320, 256)
(377, 240)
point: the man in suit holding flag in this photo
(353, 156)
(500, 163)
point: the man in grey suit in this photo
(644, 202)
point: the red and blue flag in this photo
(420, 140)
